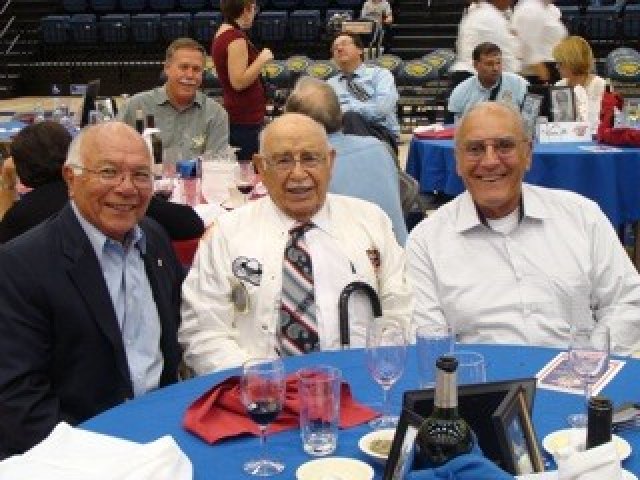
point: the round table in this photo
(160, 413)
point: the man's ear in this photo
(258, 163)
(69, 177)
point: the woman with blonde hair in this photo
(574, 59)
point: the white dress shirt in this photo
(216, 335)
(485, 23)
(595, 90)
(539, 29)
(523, 286)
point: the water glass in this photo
(471, 367)
(319, 396)
(432, 341)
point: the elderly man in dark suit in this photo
(89, 302)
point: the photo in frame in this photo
(402, 454)
(631, 111)
(563, 104)
(107, 107)
(516, 436)
(530, 111)
(476, 403)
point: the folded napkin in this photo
(219, 413)
(434, 132)
(73, 454)
(597, 463)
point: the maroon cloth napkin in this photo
(447, 132)
(219, 412)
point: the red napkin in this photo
(219, 412)
(447, 132)
(606, 132)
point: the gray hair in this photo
(491, 107)
(317, 99)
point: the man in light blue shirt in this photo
(367, 93)
(364, 167)
(489, 83)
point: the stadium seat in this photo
(441, 59)
(162, 5)
(322, 69)
(215, 4)
(572, 19)
(114, 27)
(75, 6)
(297, 65)
(271, 26)
(631, 23)
(276, 74)
(416, 73)
(132, 6)
(55, 29)
(103, 6)
(145, 27)
(353, 4)
(311, 4)
(205, 25)
(623, 65)
(304, 25)
(284, 4)
(193, 5)
(84, 28)
(601, 23)
(175, 25)
(393, 63)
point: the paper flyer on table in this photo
(558, 375)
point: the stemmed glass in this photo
(589, 359)
(386, 358)
(244, 177)
(263, 388)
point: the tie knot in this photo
(300, 230)
(347, 76)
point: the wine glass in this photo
(263, 388)
(589, 359)
(386, 357)
(244, 177)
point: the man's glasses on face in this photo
(113, 177)
(502, 147)
(284, 162)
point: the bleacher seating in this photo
(601, 23)
(313, 4)
(145, 28)
(114, 27)
(304, 25)
(271, 26)
(175, 25)
(133, 6)
(102, 6)
(55, 29)
(84, 29)
(631, 24)
(75, 6)
(162, 5)
(192, 5)
(204, 26)
(284, 4)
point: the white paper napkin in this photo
(597, 463)
(70, 453)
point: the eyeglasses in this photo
(113, 177)
(477, 149)
(283, 162)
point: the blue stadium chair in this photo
(145, 27)
(175, 25)
(288, 4)
(75, 6)
(133, 6)
(297, 64)
(572, 19)
(84, 28)
(162, 5)
(103, 6)
(205, 25)
(416, 73)
(304, 25)
(55, 29)
(321, 4)
(114, 27)
(322, 69)
(276, 74)
(631, 23)
(215, 4)
(353, 4)
(623, 65)
(441, 59)
(271, 26)
(393, 63)
(601, 23)
(193, 5)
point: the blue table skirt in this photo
(160, 413)
(610, 178)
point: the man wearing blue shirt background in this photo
(489, 83)
(367, 93)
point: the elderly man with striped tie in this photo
(267, 276)
(367, 93)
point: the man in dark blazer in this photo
(89, 299)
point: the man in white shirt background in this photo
(235, 304)
(507, 262)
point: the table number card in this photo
(564, 132)
(558, 375)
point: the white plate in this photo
(627, 475)
(563, 438)
(553, 475)
(338, 468)
(365, 443)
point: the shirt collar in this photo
(99, 241)
(320, 219)
(162, 98)
(486, 89)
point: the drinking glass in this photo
(386, 357)
(471, 367)
(244, 177)
(589, 358)
(263, 388)
(432, 341)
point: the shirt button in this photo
(265, 327)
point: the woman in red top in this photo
(238, 65)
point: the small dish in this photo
(627, 475)
(383, 438)
(565, 437)
(334, 468)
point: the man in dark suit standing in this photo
(89, 299)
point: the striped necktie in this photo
(356, 90)
(297, 332)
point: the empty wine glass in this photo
(244, 177)
(589, 359)
(386, 357)
(263, 388)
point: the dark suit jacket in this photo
(61, 352)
